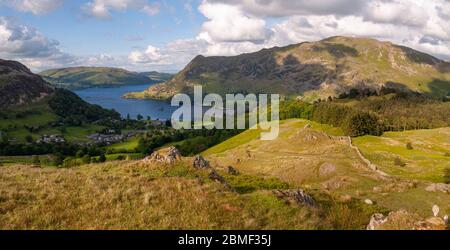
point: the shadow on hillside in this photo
(439, 88)
(337, 50)
(418, 57)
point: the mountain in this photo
(328, 67)
(86, 77)
(18, 85)
(26, 100)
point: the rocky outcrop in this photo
(215, 176)
(403, 220)
(438, 187)
(165, 156)
(201, 163)
(18, 85)
(297, 196)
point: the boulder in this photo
(435, 210)
(368, 202)
(298, 196)
(165, 156)
(201, 163)
(376, 221)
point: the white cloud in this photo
(235, 27)
(229, 24)
(37, 7)
(151, 54)
(24, 42)
(286, 8)
(101, 9)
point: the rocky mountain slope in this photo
(85, 77)
(18, 85)
(322, 68)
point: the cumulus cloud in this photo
(40, 7)
(101, 9)
(235, 27)
(228, 23)
(22, 41)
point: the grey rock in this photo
(299, 196)
(201, 163)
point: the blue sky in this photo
(118, 35)
(164, 35)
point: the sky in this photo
(164, 35)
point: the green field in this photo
(40, 116)
(425, 161)
(126, 146)
(45, 160)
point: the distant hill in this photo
(86, 77)
(158, 76)
(19, 88)
(18, 85)
(315, 69)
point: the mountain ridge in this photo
(86, 77)
(325, 68)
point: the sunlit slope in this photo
(301, 154)
(425, 159)
(311, 157)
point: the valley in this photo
(363, 143)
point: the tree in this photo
(140, 117)
(102, 158)
(128, 117)
(361, 124)
(80, 153)
(149, 118)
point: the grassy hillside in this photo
(315, 70)
(40, 116)
(310, 157)
(85, 77)
(134, 195)
(425, 159)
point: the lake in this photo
(111, 98)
